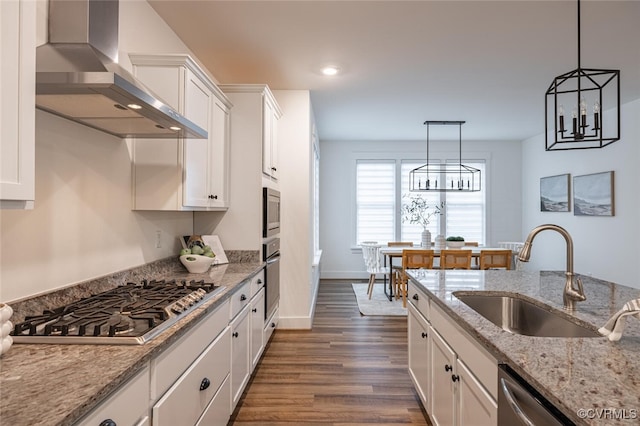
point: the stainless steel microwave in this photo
(270, 212)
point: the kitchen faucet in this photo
(571, 294)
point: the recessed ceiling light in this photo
(134, 106)
(175, 128)
(330, 70)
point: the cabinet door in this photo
(257, 327)
(219, 155)
(17, 89)
(443, 364)
(275, 173)
(197, 151)
(476, 406)
(267, 136)
(419, 356)
(240, 331)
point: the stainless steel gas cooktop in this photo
(129, 314)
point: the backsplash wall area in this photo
(82, 225)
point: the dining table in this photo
(392, 252)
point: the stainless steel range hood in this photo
(78, 76)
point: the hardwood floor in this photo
(348, 370)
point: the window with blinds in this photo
(375, 200)
(381, 185)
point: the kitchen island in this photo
(590, 380)
(55, 384)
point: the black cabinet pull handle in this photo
(455, 378)
(424, 335)
(259, 281)
(235, 334)
(273, 325)
(254, 310)
(108, 422)
(215, 197)
(415, 297)
(447, 367)
(243, 297)
(204, 384)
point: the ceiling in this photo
(404, 62)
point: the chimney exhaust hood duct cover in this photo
(78, 76)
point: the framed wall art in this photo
(593, 195)
(554, 193)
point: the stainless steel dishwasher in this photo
(520, 404)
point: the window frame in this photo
(410, 157)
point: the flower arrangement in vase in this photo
(418, 211)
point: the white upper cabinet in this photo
(259, 117)
(271, 115)
(17, 97)
(182, 174)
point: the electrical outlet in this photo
(158, 239)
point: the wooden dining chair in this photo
(455, 259)
(471, 243)
(495, 259)
(411, 259)
(371, 256)
(395, 269)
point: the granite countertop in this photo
(578, 375)
(49, 384)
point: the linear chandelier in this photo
(583, 89)
(445, 177)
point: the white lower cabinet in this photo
(189, 377)
(454, 376)
(187, 399)
(419, 355)
(476, 406)
(443, 361)
(217, 413)
(257, 326)
(129, 405)
(240, 362)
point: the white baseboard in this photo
(295, 323)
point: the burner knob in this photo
(108, 422)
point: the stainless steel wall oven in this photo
(270, 212)
(271, 254)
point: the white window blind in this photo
(465, 211)
(375, 201)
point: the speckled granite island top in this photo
(572, 373)
(58, 384)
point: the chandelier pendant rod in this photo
(579, 95)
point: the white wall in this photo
(337, 193)
(297, 288)
(604, 247)
(82, 225)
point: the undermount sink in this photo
(520, 316)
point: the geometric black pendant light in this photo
(592, 98)
(447, 176)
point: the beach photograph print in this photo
(593, 195)
(554, 193)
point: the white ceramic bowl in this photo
(197, 264)
(455, 244)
